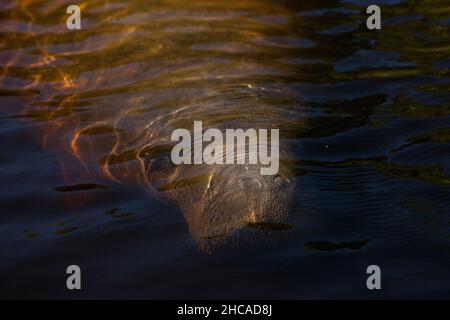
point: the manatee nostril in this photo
(281, 181)
(249, 183)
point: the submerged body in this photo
(114, 101)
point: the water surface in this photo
(366, 111)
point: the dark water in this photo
(367, 113)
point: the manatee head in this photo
(218, 200)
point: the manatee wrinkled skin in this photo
(217, 200)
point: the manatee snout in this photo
(235, 197)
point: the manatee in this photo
(108, 97)
(219, 199)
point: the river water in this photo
(367, 113)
